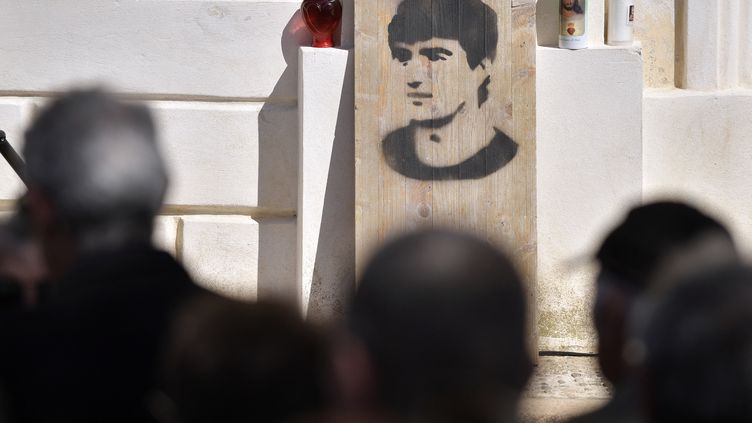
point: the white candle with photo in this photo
(573, 31)
(621, 16)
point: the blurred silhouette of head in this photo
(235, 362)
(655, 244)
(96, 177)
(21, 265)
(699, 366)
(441, 320)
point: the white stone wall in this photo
(261, 197)
(697, 134)
(221, 78)
(686, 137)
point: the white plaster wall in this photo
(589, 171)
(697, 138)
(694, 142)
(697, 146)
(221, 78)
(326, 185)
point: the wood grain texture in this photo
(430, 149)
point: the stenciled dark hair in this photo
(635, 249)
(471, 22)
(442, 316)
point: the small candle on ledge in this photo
(573, 24)
(621, 16)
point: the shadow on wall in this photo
(278, 172)
(547, 16)
(334, 269)
(347, 32)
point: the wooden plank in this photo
(445, 122)
(524, 212)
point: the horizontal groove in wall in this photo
(254, 212)
(7, 205)
(565, 354)
(283, 101)
(188, 210)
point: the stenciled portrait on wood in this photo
(428, 38)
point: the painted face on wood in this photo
(442, 52)
(428, 66)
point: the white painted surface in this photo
(228, 146)
(221, 253)
(697, 146)
(589, 170)
(219, 154)
(701, 45)
(229, 154)
(182, 47)
(165, 234)
(745, 45)
(717, 45)
(326, 199)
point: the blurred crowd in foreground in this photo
(96, 325)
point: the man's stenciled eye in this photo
(402, 54)
(435, 54)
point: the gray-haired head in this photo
(96, 160)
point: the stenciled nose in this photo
(414, 84)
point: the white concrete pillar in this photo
(589, 139)
(729, 43)
(745, 44)
(701, 44)
(717, 44)
(326, 185)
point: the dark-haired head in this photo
(442, 318)
(654, 246)
(699, 365)
(229, 361)
(639, 247)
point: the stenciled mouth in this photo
(420, 95)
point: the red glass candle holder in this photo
(323, 18)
